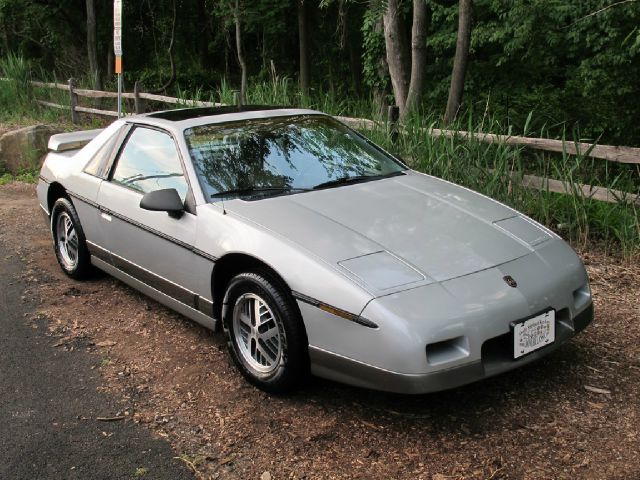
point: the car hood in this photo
(398, 231)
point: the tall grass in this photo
(16, 93)
(495, 170)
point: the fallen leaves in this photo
(555, 419)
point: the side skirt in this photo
(163, 298)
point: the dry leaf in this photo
(597, 390)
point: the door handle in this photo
(106, 216)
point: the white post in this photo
(117, 48)
(119, 95)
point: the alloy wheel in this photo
(67, 240)
(258, 334)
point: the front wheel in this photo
(68, 240)
(265, 333)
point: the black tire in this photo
(292, 365)
(78, 266)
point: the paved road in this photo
(49, 402)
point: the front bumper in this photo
(496, 358)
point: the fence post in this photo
(140, 103)
(393, 114)
(237, 98)
(73, 97)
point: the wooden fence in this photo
(626, 155)
(137, 96)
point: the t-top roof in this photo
(181, 114)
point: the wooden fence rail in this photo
(605, 152)
(618, 154)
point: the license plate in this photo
(534, 333)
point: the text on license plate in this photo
(534, 333)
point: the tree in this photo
(374, 62)
(460, 61)
(92, 45)
(172, 62)
(241, 60)
(303, 44)
(418, 55)
(407, 73)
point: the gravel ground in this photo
(575, 414)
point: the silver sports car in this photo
(314, 249)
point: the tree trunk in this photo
(418, 57)
(381, 90)
(303, 41)
(172, 77)
(460, 61)
(354, 62)
(241, 61)
(110, 62)
(5, 38)
(204, 36)
(397, 55)
(92, 45)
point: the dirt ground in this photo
(575, 414)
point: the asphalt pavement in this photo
(50, 403)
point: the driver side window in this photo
(149, 161)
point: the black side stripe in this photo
(334, 310)
(83, 199)
(153, 231)
(205, 306)
(305, 298)
(99, 252)
(156, 282)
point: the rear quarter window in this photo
(98, 166)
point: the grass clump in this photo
(26, 176)
(6, 178)
(16, 93)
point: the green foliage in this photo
(575, 68)
(551, 68)
(373, 47)
(574, 63)
(16, 91)
(26, 176)
(6, 178)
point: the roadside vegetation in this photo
(564, 70)
(495, 170)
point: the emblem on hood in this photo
(509, 280)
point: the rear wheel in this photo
(265, 333)
(69, 241)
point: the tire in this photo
(69, 241)
(272, 353)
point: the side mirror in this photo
(166, 200)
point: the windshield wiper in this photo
(256, 189)
(355, 179)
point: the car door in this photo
(153, 247)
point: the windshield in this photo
(270, 156)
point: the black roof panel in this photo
(198, 112)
